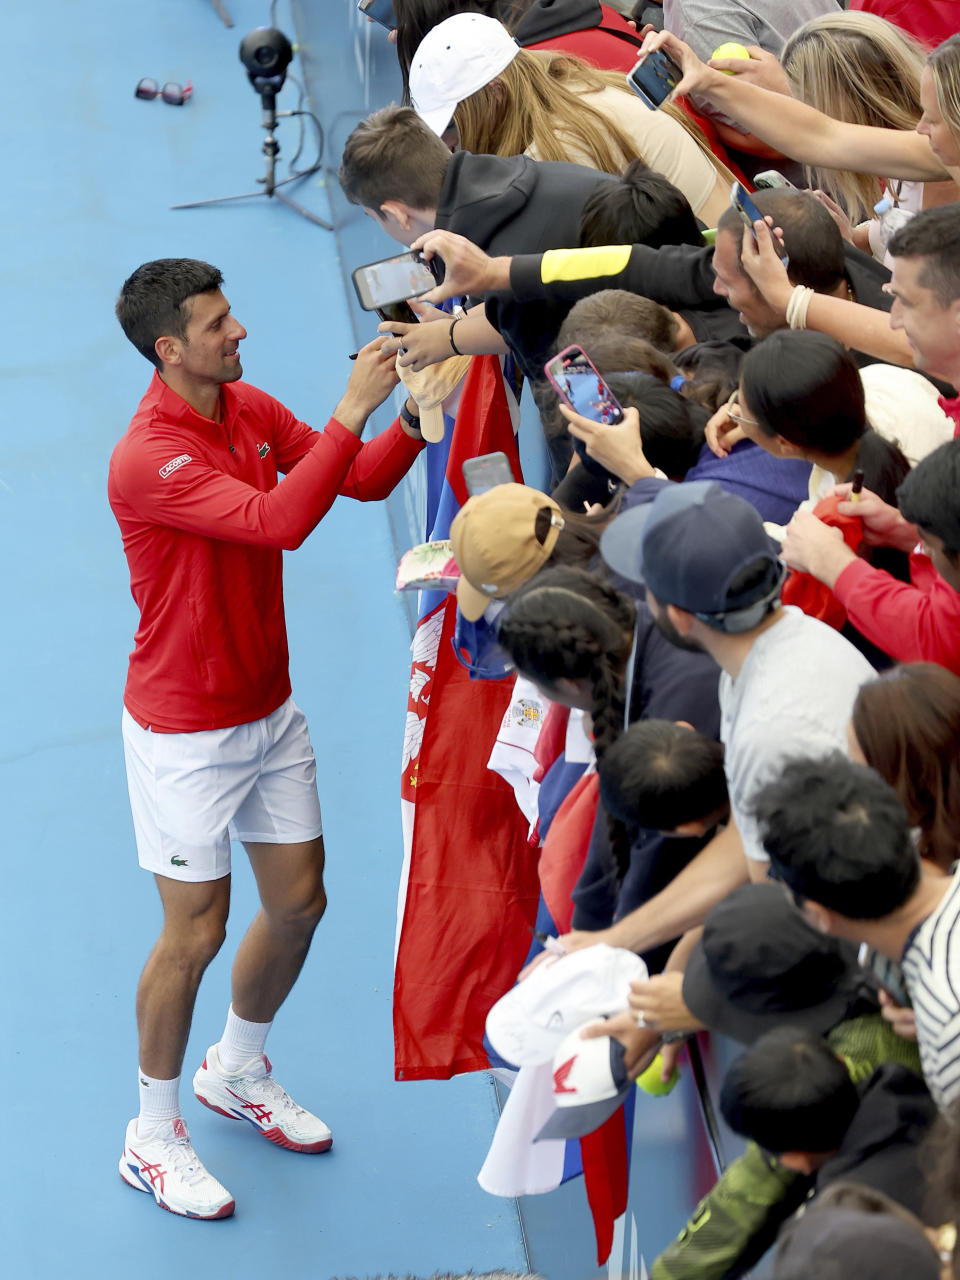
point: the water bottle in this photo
(891, 217)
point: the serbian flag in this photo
(469, 888)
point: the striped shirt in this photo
(931, 966)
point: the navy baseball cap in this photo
(690, 545)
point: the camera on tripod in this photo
(266, 53)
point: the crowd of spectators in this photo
(757, 621)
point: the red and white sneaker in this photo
(165, 1164)
(252, 1094)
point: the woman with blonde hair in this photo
(504, 100)
(862, 70)
(929, 152)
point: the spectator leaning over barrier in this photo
(713, 581)
(839, 838)
(910, 621)
(760, 966)
(664, 781)
(695, 282)
(787, 683)
(470, 76)
(798, 1098)
(403, 176)
(925, 286)
(641, 207)
(833, 1244)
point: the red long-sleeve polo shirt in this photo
(204, 520)
(917, 621)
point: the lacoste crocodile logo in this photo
(263, 449)
(178, 862)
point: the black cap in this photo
(759, 964)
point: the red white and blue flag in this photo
(469, 888)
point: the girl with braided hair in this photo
(571, 634)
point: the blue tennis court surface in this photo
(90, 173)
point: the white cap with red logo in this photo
(590, 1082)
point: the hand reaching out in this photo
(761, 68)
(760, 257)
(616, 446)
(722, 433)
(468, 271)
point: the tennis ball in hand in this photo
(649, 1081)
(730, 50)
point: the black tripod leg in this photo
(311, 217)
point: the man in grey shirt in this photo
(713, 580)
(705, 24)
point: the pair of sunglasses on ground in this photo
(175, 94)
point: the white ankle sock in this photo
(241, 1041)
(159, 1100)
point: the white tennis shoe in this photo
(252, 1094)
(165, 1164)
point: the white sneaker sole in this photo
(274, 1134)
(131, 1176)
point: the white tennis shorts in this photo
(192, 793)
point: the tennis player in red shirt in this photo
(215, 747)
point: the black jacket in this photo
(880, 1147)
(681, 277)
(514, 205)
(548, 19)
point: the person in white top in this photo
(503, 100)
(839, 839)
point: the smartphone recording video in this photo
(581, 388)
(397, 313)
(486, 472)
(380, 284)
(749, 214)
(772, 180)
(654, 78)
(380, 11)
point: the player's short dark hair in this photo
(790, 1092)
(153, 302)
(836, 833)
(811, 238)
(930, 497)
(934, 235)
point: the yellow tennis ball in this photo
(649, 1081)
(730, 50)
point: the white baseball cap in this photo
(590, 1082)
(527, 1025)
(454, 59)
